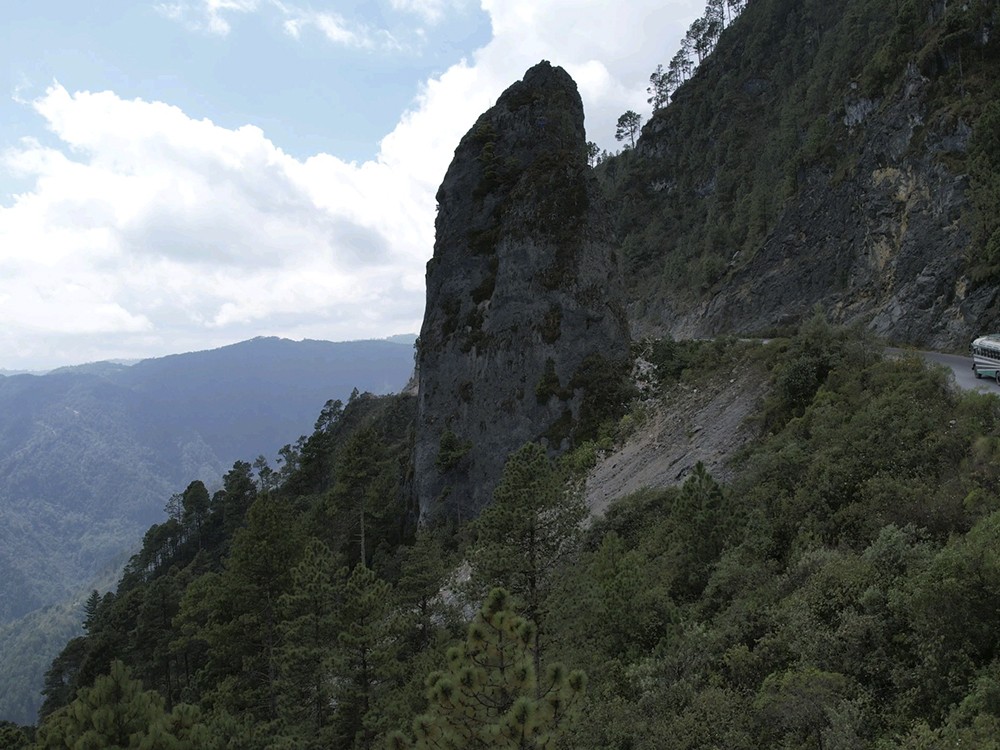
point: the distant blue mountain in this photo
(90, 454)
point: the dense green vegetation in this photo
(89, 454)
(766, 112)
(840, 593)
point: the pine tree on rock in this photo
(628, 127)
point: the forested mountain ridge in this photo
(89, 456)
(837, 592)
(836, 153)
(108, 442)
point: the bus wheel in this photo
(976, 372)
(998, 377)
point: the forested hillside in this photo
(825, 163)
(89, 456)
(837, 153)
(836, 594)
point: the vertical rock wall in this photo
(525, 304)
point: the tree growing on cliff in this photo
(659, 88)
(628, 127)
(984, 171)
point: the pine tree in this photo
(240, 492)
(624, 609)
(659, 88)
(116, 714)
(700, 530)
(230, 621)
(358, 490)
(628, 127)
(365, 657)
(13, 737)
(491, 696)
(309, 630)
(422, 575)
(91, 610)
(60, 678)
(154, 659)
(195, 503)
(528, 530)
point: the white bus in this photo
(986, 356)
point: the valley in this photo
(651, 526)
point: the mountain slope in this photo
(89, 455)
(831, 153)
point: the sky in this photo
(185, 174)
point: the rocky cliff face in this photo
(884, 246)
(819, 157)
(525, 305)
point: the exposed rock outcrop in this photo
(525, 305)
(884, 247)
(841, 175)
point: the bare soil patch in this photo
(707, 421)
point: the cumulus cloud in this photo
(150, 221)
(147, 231)
(213, 17)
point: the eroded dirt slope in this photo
(707, 421)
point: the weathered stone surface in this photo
(523, 289)
(882, 241)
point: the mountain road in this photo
(959, 365)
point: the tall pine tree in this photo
(530, 528)
(490, 696)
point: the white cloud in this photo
(213, 16)
(431, 11)
(338, 30)
(149, 222)
(147, 232)
(207, 15)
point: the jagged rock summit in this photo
(525, 315)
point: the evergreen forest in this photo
(838, 590)
(841, 592)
